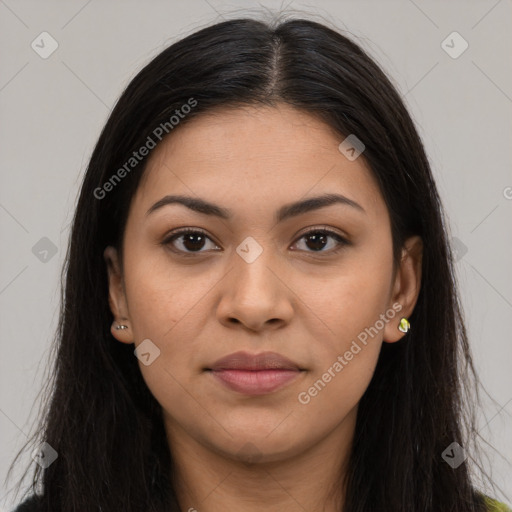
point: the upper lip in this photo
(261, 361)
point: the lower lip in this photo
(257, 382)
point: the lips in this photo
(250, 362)
(255, 374)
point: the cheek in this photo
(349, 302)
(166, 305)
(163, 298)
(346, 357)
(161, 309)
(345, 316)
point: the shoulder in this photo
(496, 506)
(31, 504)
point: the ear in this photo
(406, 287)
(117, 297)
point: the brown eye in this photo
(318, 239)
(189, 241)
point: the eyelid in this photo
(328, 229)
(187, 229)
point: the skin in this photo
(271, 452)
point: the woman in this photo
(260, 309)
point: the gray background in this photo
(52, 111)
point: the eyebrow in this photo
(285, 212)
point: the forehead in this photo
(256, 154)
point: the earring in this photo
(404, 325)
(121, 327)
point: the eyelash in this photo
(341, 241)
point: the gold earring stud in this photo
(404, 325)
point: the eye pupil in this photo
(197, 244)
(319, 240)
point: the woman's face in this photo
(253, 281)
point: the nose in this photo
(255, 295)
